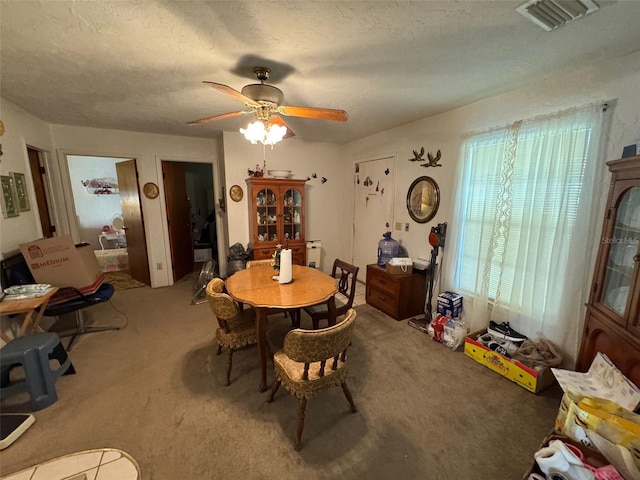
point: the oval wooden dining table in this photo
(255, 286)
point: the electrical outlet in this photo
(159, 265)
(406, 227)
(398, 225)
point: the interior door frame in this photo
(394, 180)
(221, 225)
(67, 192)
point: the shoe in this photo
(503, 347)
(503, 330)
(485, 339)
(559, 461)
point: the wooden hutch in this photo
(277, 217)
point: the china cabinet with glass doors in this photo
(277, 217)
(612, 324)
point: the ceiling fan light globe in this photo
(269, 135)
(275, 134)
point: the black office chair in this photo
(15, 271)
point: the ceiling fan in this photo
(266, 102)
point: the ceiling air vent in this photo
(551, 14)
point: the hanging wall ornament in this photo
(417, 156)
(381, 192)
(358, 179)
(378, 186)
(433, 161)
(323, 180)
(367, 181)
(314, 175)
(386, 172)
(308, 178)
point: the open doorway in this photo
(100, 187)
(191, 220)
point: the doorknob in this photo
(636, 258)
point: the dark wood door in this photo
(133, 221)
(37, 174)
(178, 218)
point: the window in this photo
(527, 198)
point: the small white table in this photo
(118, 237)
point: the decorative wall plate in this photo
(236, 193)
(150, 190)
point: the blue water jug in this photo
(387, 249)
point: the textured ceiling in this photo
(139, 65)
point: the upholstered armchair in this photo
(236, 328)
(312, 361)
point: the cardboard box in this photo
(399, 269)
(533, 380)
(449, 304)
(58, 262)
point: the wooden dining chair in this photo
(311, 361)
(346, 275)
(236, 328)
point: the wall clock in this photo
(150, 190)
(236, 193)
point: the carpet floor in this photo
(122, 280)
(156, 390)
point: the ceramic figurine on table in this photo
(260, 237)
(297, 235)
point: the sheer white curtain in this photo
(525, 222)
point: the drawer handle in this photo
(265, 252)
(382, 297)
(296, 249)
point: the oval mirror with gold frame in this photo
(423, 199)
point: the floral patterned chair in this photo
(311, 361)
(236, 328)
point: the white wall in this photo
(21, 129)
(93, 211)
(148, 150)
(617, 79)
(325, 203)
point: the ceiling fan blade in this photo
(219, 117)
(232, 92)
(310, 112)
(279, 121)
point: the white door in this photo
(373, 209)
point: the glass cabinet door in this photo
(623, 253)
(267, 217)
(292, 215)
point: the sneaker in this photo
(503, 347)
(558, 461)
(485, 339)
(503, 330)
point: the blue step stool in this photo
(33, 353)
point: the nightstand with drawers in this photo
(398, 295)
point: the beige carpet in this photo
(156, 390)
(121, 280)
